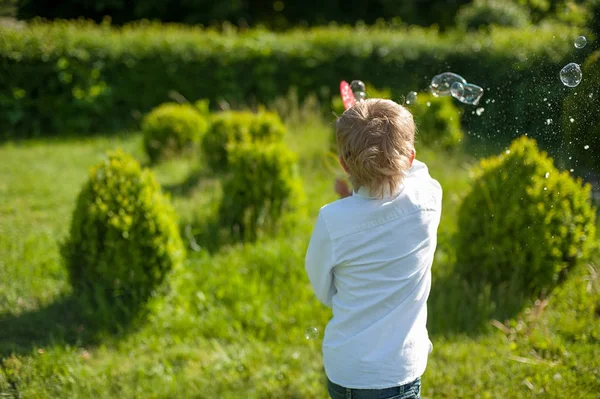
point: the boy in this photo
(370, 257)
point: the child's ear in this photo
(343, 163)
(412, 157)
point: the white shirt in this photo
(370, 260)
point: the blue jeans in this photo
(412, 390)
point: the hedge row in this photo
(80, 77)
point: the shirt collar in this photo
(364, 192)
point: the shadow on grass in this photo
(458, 306)
(61, 322)
(58, 322)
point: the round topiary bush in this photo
(237, 127)
(482, 13)
(580, 116)
(124, 237)
(437, 120)
(171, 128)
(524, 223)
(262, 187)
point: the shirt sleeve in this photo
(320, 262)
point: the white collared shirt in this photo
(370, 260)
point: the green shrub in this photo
(437, 120)
(124, 237)
(69, 77)
(262, 187)
(580, 117)
(481, 13)
(524, 223)
(171, 128)
(237, 127)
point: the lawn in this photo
(232, 324)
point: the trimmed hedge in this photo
(524, 224)
(232, 127)
(79, 77)
(263, 185)
(437, 120)
(581, 116)
(170, 129)
(482, 13)
(123, 240)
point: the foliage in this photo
(237, 127)
(580, 119)
(437, 120)
(574, 12)
(171, 128)
(482, 13)
(123, 239)
(524, 224)
(69, 76)
(262, 186)
(243, 12)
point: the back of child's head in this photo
(375, 137)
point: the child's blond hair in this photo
(376, 140)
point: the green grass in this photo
(233, 322)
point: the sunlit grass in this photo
(232, 324)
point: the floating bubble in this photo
(357, 85)
(571, 75)
(571, 120)
(360, 95)
(547, 175)
(580, 42)
(411, 97)
(472, 94)
(457, 90)
(441, 84)
(586, 147)
(479, 111)
(548, 121)
(429, 103)
(311, 333)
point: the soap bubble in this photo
(472, 94)
(586, 147)
(571, 75)
(411, 97)
(357, 85)
(457, 90)
(479, 111)
(441, 84)
(360, 95)
(580, 42)
(311, 333)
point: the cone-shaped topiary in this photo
(263, 185)
(171, 128)
(124, 237)
(524, 223)
(239, 127)
(437, 120)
